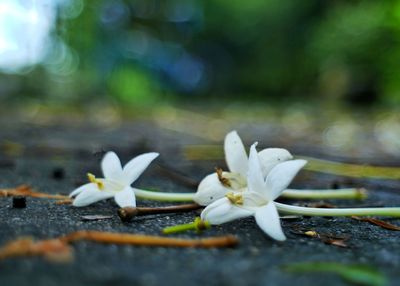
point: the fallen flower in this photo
(258, 200)
(116, 182)
(218, 184)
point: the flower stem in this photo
(198, 225)
(295, 210)
(127, 213)
(164, 196)
(350, 193)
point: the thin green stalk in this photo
(295, 210)
(350, 193)
(164, 197)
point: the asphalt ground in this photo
(55, 157)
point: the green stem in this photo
(164, 197)
(295, 210)
(350, 193)
(198, 225)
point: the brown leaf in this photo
(378, 222)
(334, 241)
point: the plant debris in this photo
(26, 191)
(127, 213)
(58, 249)
(326, 238)
(95, 217)
(354, 273)
(54, 250)
(378, 222)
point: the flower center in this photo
(231, 180)
(92, 179)
(236, 199)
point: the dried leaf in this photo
(325, 238)
(354, 273)
(378, 222)
(95, 217)
(336, 242)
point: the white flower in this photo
(216, 185)
(258, 199)
(116, 182)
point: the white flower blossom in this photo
(116, 182)
(258, 199)
(216, 185)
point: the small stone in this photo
(19, 202)
(58, 173)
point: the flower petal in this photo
(126, 197)
(111, 166)
(209, 190)
(271, 157)
(235, 154)
(91, 195)
(135, 167)
(222, 211)
(267, 218)
(281, 176)
(81, 189)
(255, 178)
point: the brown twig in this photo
(149, 240)
(52, 249)
(26, 191)
(127, 213)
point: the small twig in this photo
(127, 213)
(149, 240)
(52, 249)
(26, 191)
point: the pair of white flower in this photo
(218, 184)
(116, 182)
(257, 200)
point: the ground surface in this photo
(37, 153)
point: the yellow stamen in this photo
(92, 179)
(224, 181)
(236, 199)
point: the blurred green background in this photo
(174, 51)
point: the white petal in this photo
(235, 154)
(82, 189)
(125, 198)
(209, 190)
(271, 157)
(281, 176)
(135, 167)
(222, 211)
(90, 196)
(267, 218)
(111, 166)
(255, 178)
